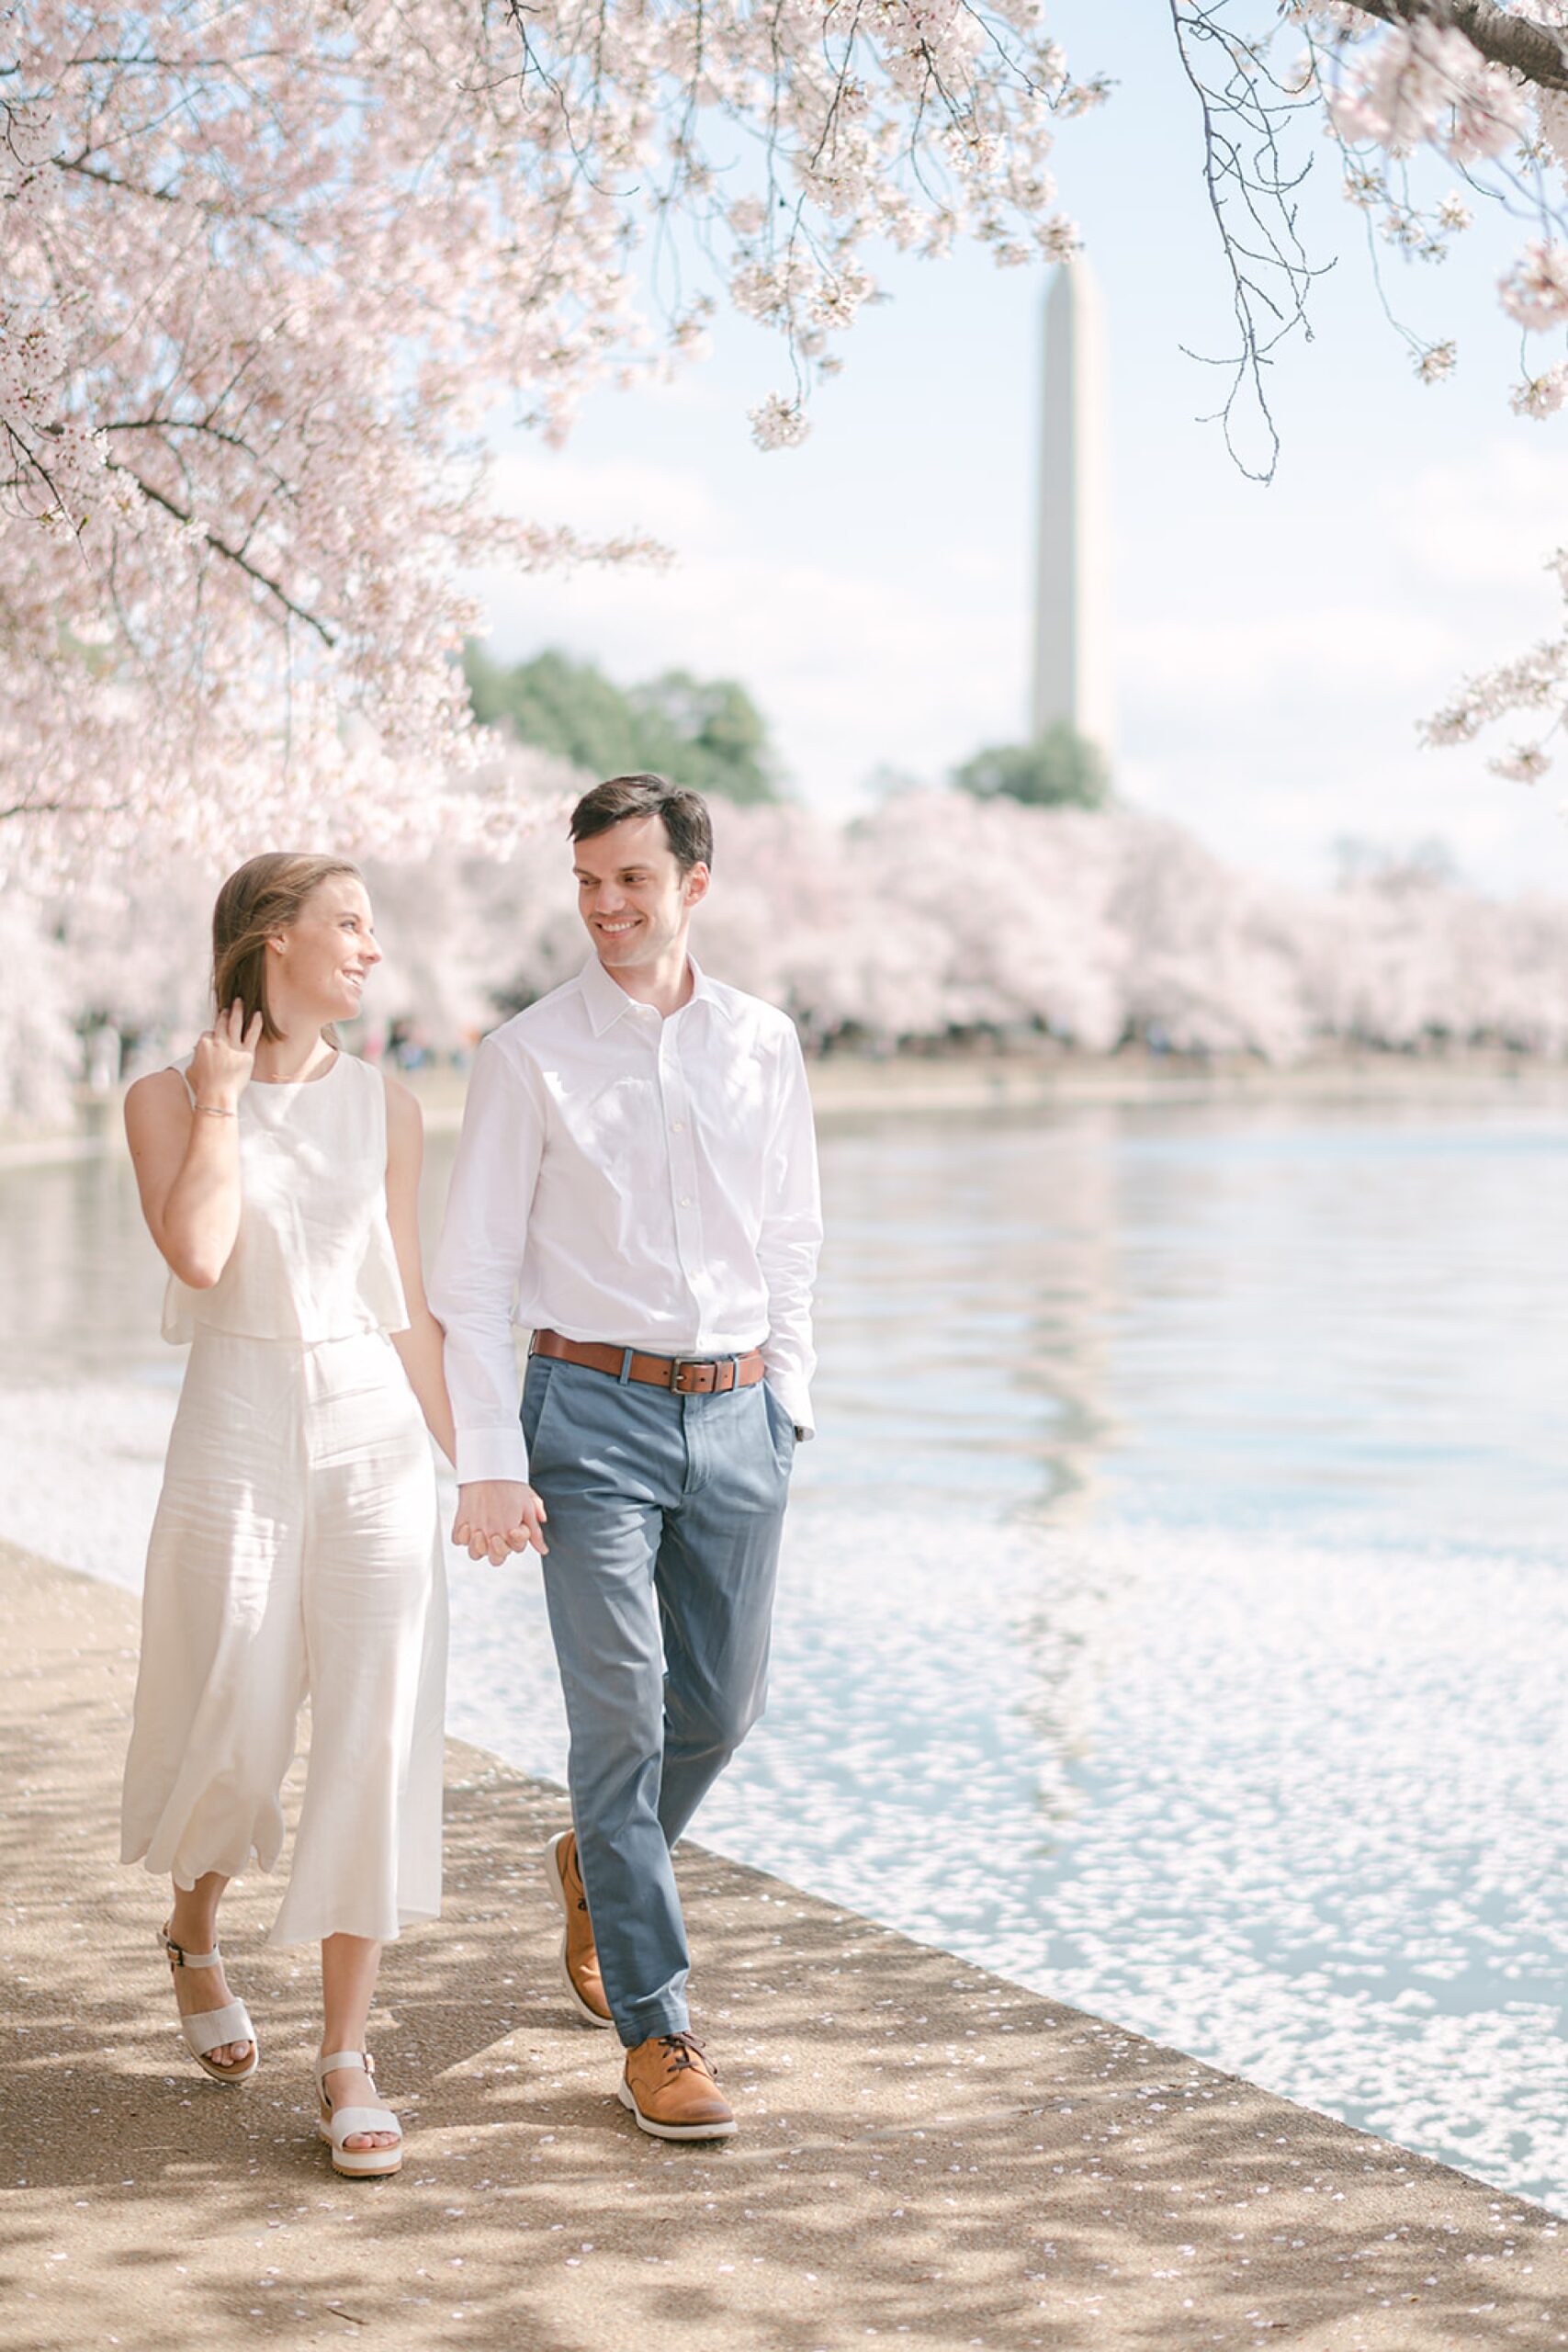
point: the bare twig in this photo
(1251, 195)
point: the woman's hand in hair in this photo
(225, 1058)
(187, 1167)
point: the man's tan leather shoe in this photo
(672, 2091)
(579, 1959)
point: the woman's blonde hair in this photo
(263, 896)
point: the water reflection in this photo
(968, 1300)
(1231, 1315)
(1201, 1316)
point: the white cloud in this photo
(1489, 521)
(1283, 712)
(1251, 660)
(853, 670)
(606, 495)
(1272, 708)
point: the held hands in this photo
(225, 1056)
(497, 1516)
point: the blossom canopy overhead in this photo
(267, 267)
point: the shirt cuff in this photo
(795, 1398)
(491, 1453)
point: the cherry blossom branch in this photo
(1521, 43)
(64, 808)
(186, 517)
(268, 271)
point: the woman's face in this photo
(318, 966)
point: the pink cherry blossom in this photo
(1525, 763)
(1535, 290)
(1409, 89)
(269, 272)
(1542, 395)
(778, 423)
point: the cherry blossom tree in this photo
(937, 919)
(1476, 92)
(267, 268)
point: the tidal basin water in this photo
(1175, 1606)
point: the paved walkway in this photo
(929, 2153)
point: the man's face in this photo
(632, 894)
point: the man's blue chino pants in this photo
(664, 1519)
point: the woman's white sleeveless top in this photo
(313, 1257)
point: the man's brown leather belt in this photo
(687, 1375)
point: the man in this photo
(637, 1183)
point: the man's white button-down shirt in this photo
(644, 1180)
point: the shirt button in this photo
(678, 1127)
(685, 1200)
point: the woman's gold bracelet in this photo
(215, 1110)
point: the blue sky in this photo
(1273, 648)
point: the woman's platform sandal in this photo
(336, 2124)
(211, 2028)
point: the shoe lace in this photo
(684, 2049)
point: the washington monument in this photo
(1071, 650)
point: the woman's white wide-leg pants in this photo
(295, 1556)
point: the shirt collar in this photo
(606, 1000)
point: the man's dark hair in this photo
(687, 826)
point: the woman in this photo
(295, 1553)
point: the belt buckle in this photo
(682, 1364)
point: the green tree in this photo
(1061, 770)
(568, 707)
(713, 735)
(707, 733)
